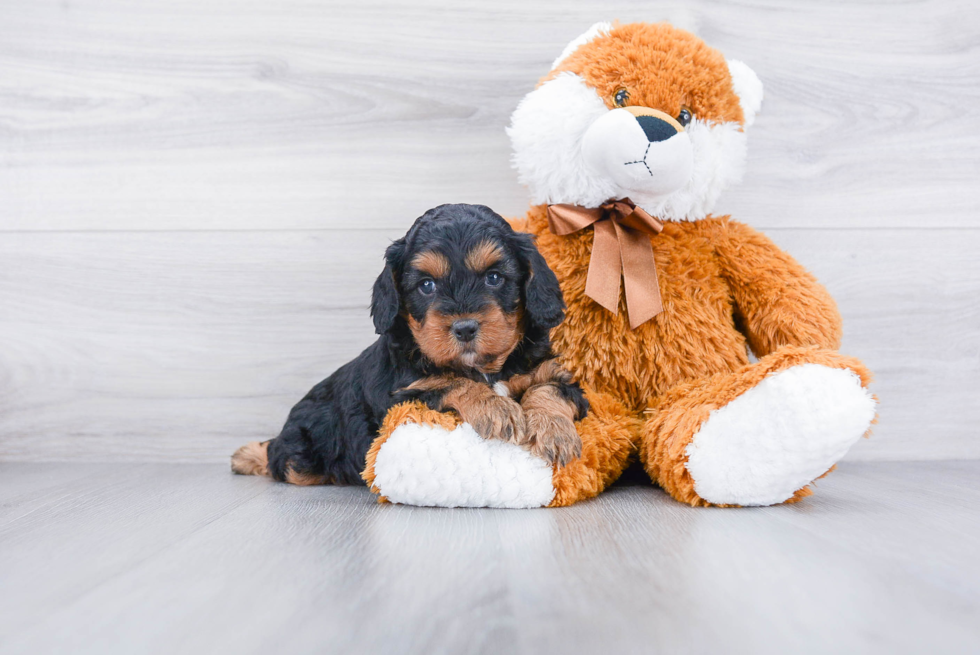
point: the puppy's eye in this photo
(494, 279)
(427, 287)
(621, 98)
(685, 117)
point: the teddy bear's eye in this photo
(621, 98)
(685, 117)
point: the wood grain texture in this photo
(182, 346)
(188, 558)
(268, 114)
(172, 345)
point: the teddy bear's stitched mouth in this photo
(642, 160)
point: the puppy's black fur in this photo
(328, 433)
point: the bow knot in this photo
(621, 248)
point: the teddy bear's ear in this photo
(748, 88)
(599, 29)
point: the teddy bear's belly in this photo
(694, 337)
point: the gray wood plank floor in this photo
(166, 558)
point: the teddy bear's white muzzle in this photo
(650, 158)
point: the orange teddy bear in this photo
(625, 145)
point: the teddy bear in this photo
(706, 352)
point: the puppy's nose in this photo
(656, 129)
(466, 329)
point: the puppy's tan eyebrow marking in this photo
(483, 256)
(432, 263)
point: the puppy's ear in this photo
(385, 301)
(543, 301)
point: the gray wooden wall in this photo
(195, 195)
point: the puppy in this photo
(464, 306)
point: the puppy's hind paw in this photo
(251, 459)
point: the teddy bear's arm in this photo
(777, 301)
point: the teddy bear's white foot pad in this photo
(431, 466)
(779, 436)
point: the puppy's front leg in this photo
(552, 402)
(491, 415)
(550, 419)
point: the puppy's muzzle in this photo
(640, 149)
(465, 330)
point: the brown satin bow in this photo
(621, 246)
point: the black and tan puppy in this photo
(464, 306)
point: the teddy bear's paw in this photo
(779, 436)
(432, 466)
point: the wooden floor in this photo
(183, 558)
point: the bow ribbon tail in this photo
(639, 275)
(605, 267)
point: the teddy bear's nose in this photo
(655, 128)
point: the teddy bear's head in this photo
(645, 111)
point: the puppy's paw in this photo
(492, 416)
(498, 417)
(251, 459)
(553, 438)
(551, 433)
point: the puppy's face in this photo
(462, 296)
(467, 285)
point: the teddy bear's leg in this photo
(608, 439)
(759, 435)
(424, 457)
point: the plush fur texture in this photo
(408, 462)
(773, 450)
(433, 466)
(748, 88)
(607, 445)
(709, 426)
(463, 302)
(546, 133)
(555, 122)
(779, 435)
(724, 287)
